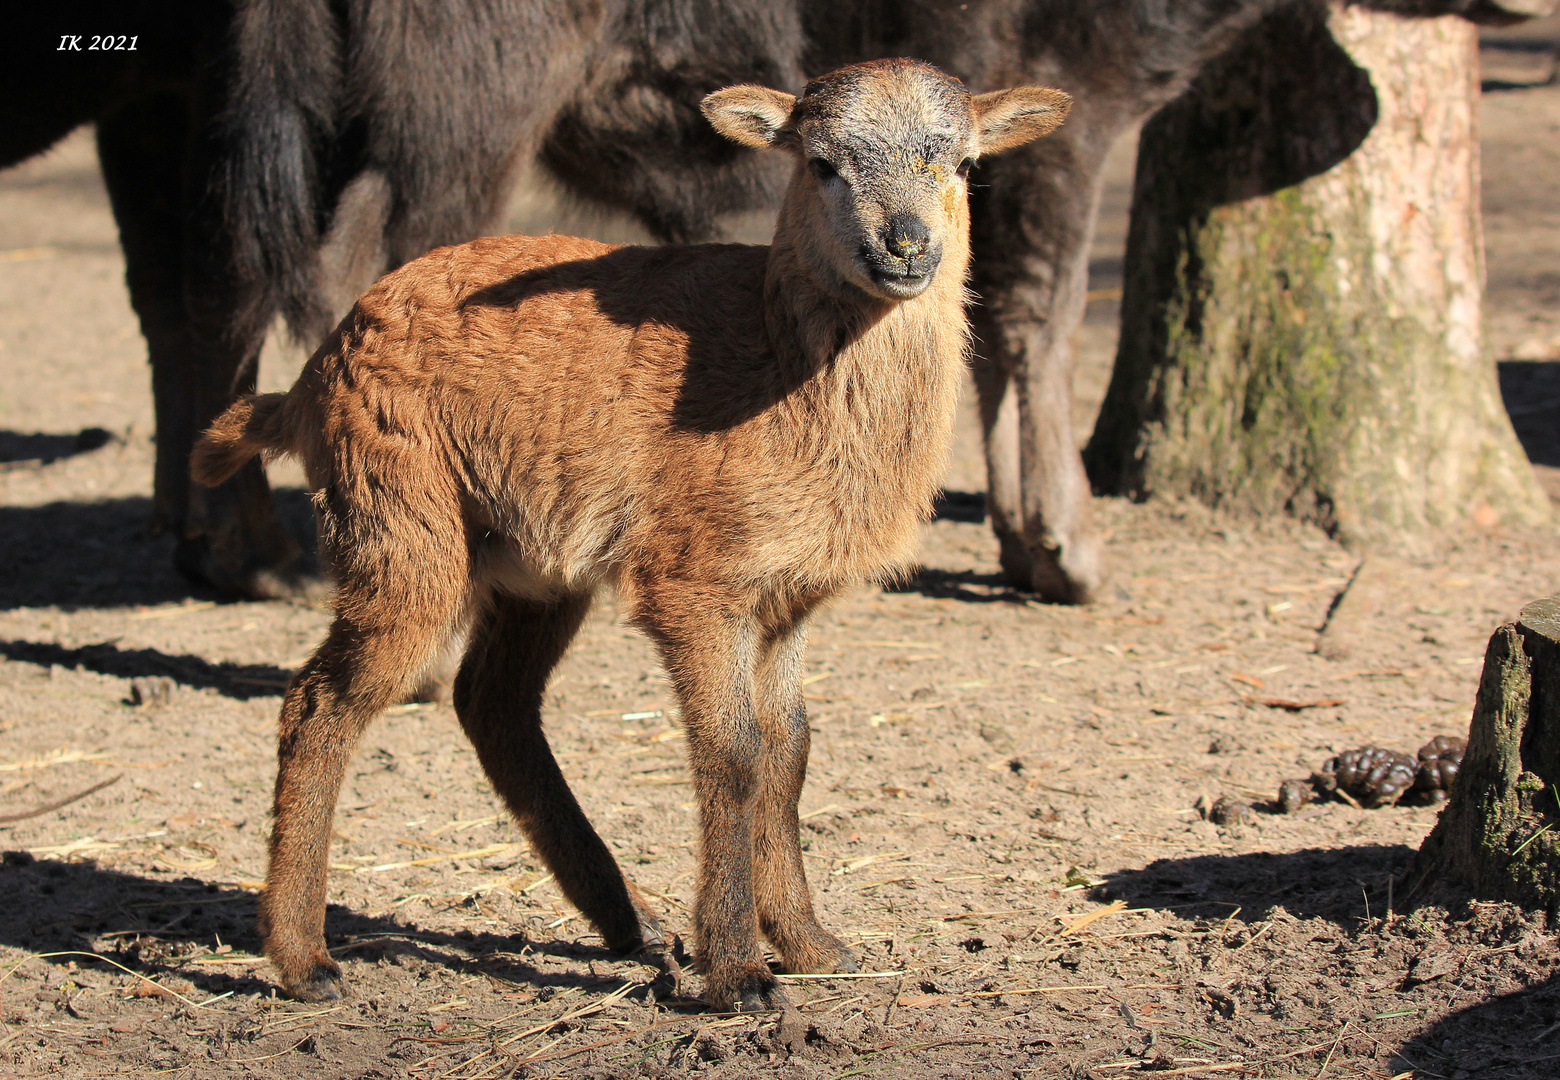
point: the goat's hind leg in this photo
(498, 696)
(785, 910)
(365, 664)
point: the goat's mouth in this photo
(901, 279)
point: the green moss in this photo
(1286, 384)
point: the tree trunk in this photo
(1301, 318)
(1497, 835)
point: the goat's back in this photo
(586, 409)
(579, 404)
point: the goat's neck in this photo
(832, 331)
(859, 372)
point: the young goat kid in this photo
(728, 434)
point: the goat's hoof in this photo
(322, 982)
(269, 572)
(745, 990)
(1056, 575)
(669, 980)
(816, 953)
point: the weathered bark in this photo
(1301, 320)
(1497, 835)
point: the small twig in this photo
(1254, 937)
(161, 989)
(1034, 990)
(39, 811)
(268, 1057)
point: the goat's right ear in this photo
(751, 115)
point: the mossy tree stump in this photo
(1499, 836)
(1301, 326)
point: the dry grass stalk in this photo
(62, 756)
(475, 853)
(158, 988)
(1077, 926)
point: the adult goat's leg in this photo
(227, 537)
(708, 645)
(498, 696)
(366, 663)
(785, 910)
(203, 336)
(1031, 232)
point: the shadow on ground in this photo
(241, 681)
(1335, 884)
(1531, 391)
(41, 449)
(966, 585)
(1512, 1036)
(76, 555)
(150, 926)
(967, 506)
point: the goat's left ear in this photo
(751, 115)
(1008, 118)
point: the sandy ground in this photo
(1000, 812)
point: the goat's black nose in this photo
(906, 236)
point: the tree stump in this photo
(1300, 325)
(1499, 836)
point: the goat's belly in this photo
(543, 553)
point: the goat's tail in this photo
(252, 425)
(286, 100)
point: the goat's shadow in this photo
(970, 586)
(60, 907)
(1514, 1036)
(42, 448)
(241, 681)
(705, 356)
(104, 553)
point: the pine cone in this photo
(1439, 760)
(1371, 775)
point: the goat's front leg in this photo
(709, 653)
(785, 910)
(1031, 231)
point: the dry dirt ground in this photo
(1000, 813)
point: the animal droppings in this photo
(147, 693)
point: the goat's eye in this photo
(965, 166)
(822, 169)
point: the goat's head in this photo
(879, 199)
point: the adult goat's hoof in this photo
(277, 570)
(1058, 574)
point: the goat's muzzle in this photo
(902, 263)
